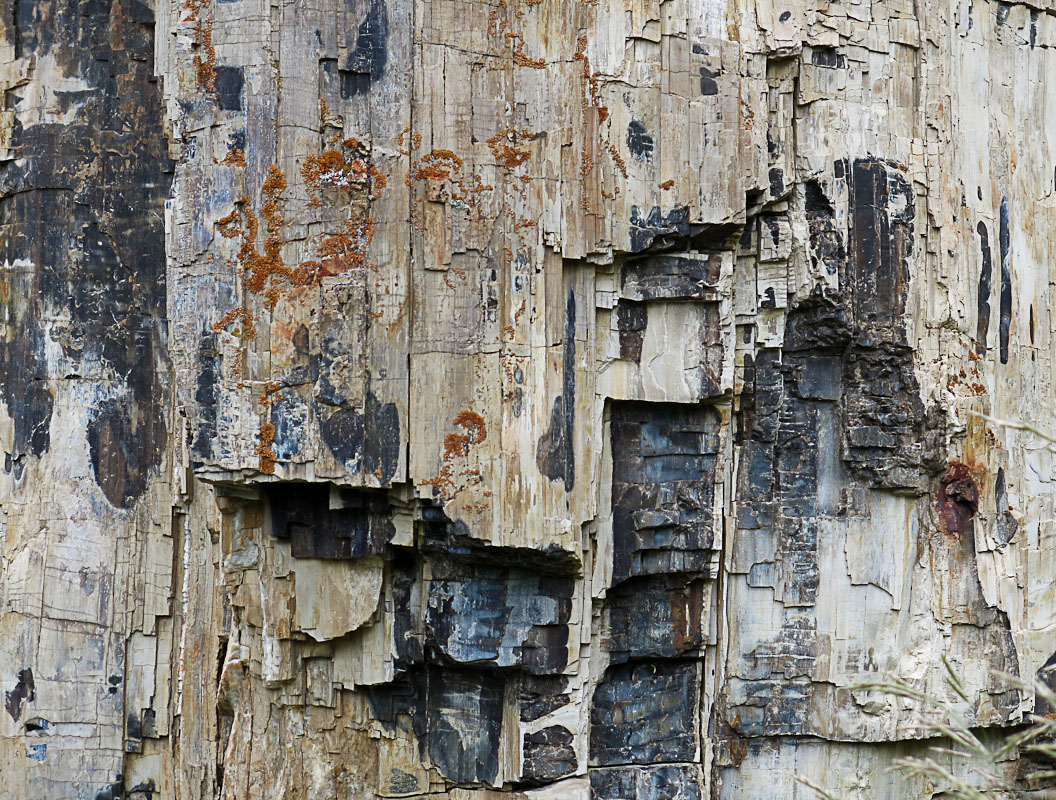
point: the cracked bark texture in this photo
(532, 399)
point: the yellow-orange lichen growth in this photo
(331, 169)
(205, 68)
(591, 81)
(621, 165)
(241, 312)
(260, 269)
(586, 161)
(235, 157)
(507, 146)
(344, 253)
(270, 394)
(416, 142)
(264, 273)
(438, 165)
(476, 431)
(520, 58)
(264, 449)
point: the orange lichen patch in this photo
(205, 68)
(669, 183)
(455, 444)
(343, 253)
(442, 482)
(235, 157)
(447, 277)
(468, 194)
(228, 225)
(272, 189)
(438, 165)
(586, 162)
(242, 313)
(331, 169)
(324, 109)
(590, 78)
(328, 168)
(416, 141)
(264, 450)
(520, 58)
(260, 269)
(621, 165)
(275, 183)
(270, 394)
(507, 146)
(476, 431)
(474, 424)
(417, 220)
(375, 179)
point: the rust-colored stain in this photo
(685, 616)
(957, 499)
(738, 749)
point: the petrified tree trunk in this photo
(543, 399)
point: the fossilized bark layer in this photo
(545, 398)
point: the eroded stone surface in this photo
(526, 400)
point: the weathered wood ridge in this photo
(529, 398)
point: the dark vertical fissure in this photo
(985, 278)
(1006, 283)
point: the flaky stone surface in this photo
(533, 399)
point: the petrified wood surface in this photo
(539, 398)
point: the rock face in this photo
(535, 399)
